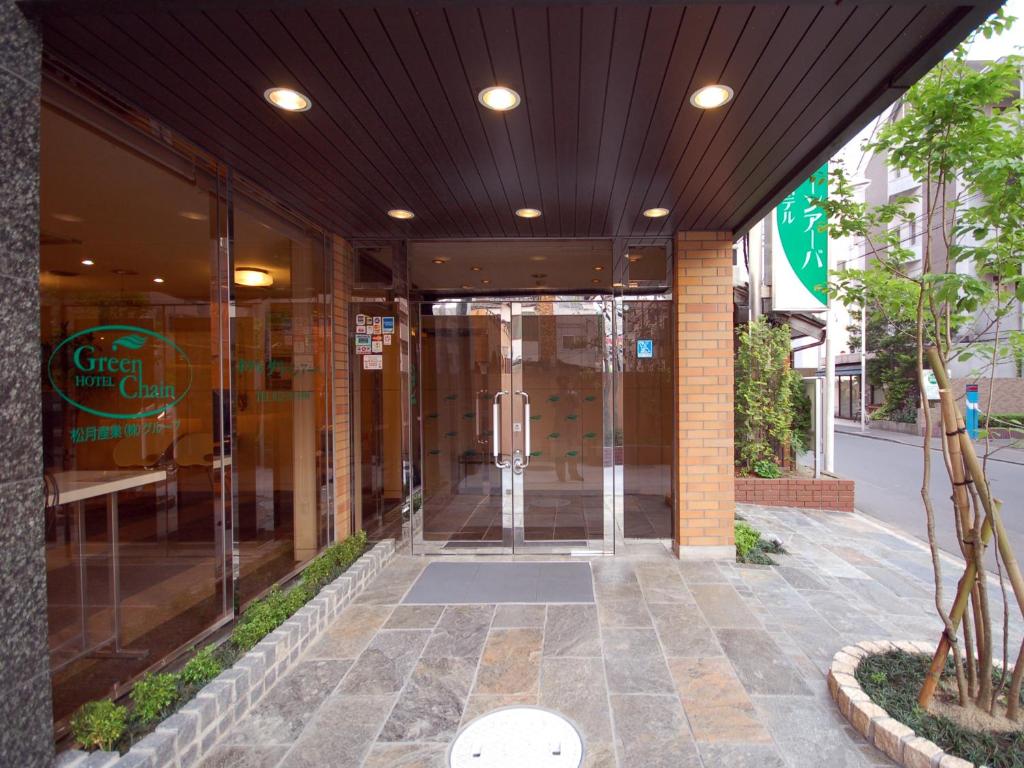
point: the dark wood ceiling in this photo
(605, 129)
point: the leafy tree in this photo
(961, 134)
(891, 338)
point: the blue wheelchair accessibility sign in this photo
(645, 348)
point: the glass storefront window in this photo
(186, 401)
(647, 405)
(280, 453)
(131, 454)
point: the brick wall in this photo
(702, 287)
(342, 277)
(801, 492)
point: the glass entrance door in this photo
(516, 427)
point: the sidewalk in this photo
(674, 664)
(1001, 451)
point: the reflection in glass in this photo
(563, 348)
(279, 452)
(461, 374)
(130, 449)
(647, 397)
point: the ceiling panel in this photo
(605, 129)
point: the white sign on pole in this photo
(800, 248)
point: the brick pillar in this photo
(342, 293)
(705, 494)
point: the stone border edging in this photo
(185, 737)
(892, 737)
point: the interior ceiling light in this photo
(634, 257)
(499, 98)
(656, 213)
(477, 269)
(288, 99)
(254, 277)
(158, 279)
(438, 261)
(192, 215)
(70, 218)
(485, 281)
(711, 96)
(598, 268)
(401, 214)
(595, 281)
(538, 258)
(88, 262)
(528, 213)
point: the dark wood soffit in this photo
(396, 122)
(918, 62)
(74, 7)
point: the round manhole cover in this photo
(517, 737)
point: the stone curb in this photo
(872, 722)
(184, 738)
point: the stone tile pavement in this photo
(676, 664)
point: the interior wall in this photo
(25, 708)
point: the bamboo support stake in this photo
(992, 520)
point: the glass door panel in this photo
(516, 426)
(561, 373)
(462, 381)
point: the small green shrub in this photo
(201, 668)
(153, 696)
(747, 538)
(99, 724)
(753, 548)
(766, 468)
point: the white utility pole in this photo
(830, 392)
(864, 367)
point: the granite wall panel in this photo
(26, 738)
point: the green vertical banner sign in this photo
(800, 248)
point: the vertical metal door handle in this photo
(496, 423)
(522, 462)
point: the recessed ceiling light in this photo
(288, 99)
(88, 262)
(656, 213)
(595, 281)
(711, 96)
(634, 257)
(499, 98)
(467, 287)
(598, 268)
(485, 282)
(253, 276)
(192, 215)
(618, 285)
(477, 269)
(538, 258)
(401, 214)
(438, 261)
(158, 279)
(70, 218)
(528, 213)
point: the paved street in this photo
(887, 468)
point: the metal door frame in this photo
(509, 403)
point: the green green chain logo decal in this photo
(125, 384)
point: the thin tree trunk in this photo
(933, 545)
(1013, 695)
